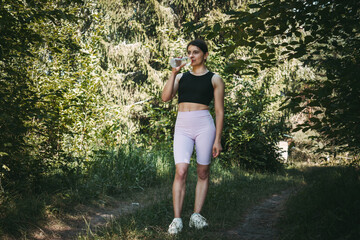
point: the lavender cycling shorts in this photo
(194, 127)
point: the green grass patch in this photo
(327, 207)
(18, 214)
(115, 173)
(230, 194)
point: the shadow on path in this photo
(259, 222)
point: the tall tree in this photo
(22, 111)
(323, 34)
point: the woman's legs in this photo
(191, 127)
(201, 186)
(179, 186)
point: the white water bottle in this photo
(176, 62)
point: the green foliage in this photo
(158, 126)
(251, 132)
(326, 208)
(22, 107)
(322, 34)
(333, 106)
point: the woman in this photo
(194, 125)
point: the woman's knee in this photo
(181, 172)
(203, 174)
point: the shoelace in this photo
(199, 218)
(174, 224)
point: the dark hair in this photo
(200, 44)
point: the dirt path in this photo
(259, 222)
(88, 218)
(85, 219)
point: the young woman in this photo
(194, 125)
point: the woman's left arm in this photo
(219, 89)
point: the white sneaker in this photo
(176, 226)
(197, 221)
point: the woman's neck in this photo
(199, 70)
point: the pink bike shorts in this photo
(194, 127)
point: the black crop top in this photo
(196, 89)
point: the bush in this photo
(250, 133)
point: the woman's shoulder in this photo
(180, 75)
(216, 77)
(216, 80)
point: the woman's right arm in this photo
(172, 85)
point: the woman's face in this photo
(197, 57)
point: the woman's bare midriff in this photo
(188, 106)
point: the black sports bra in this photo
(196, 89)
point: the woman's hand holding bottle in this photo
(178, 63)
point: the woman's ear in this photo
(206, 55)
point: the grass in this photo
(327, 207)
(231, 193)
(109, 173)
(18, 214)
